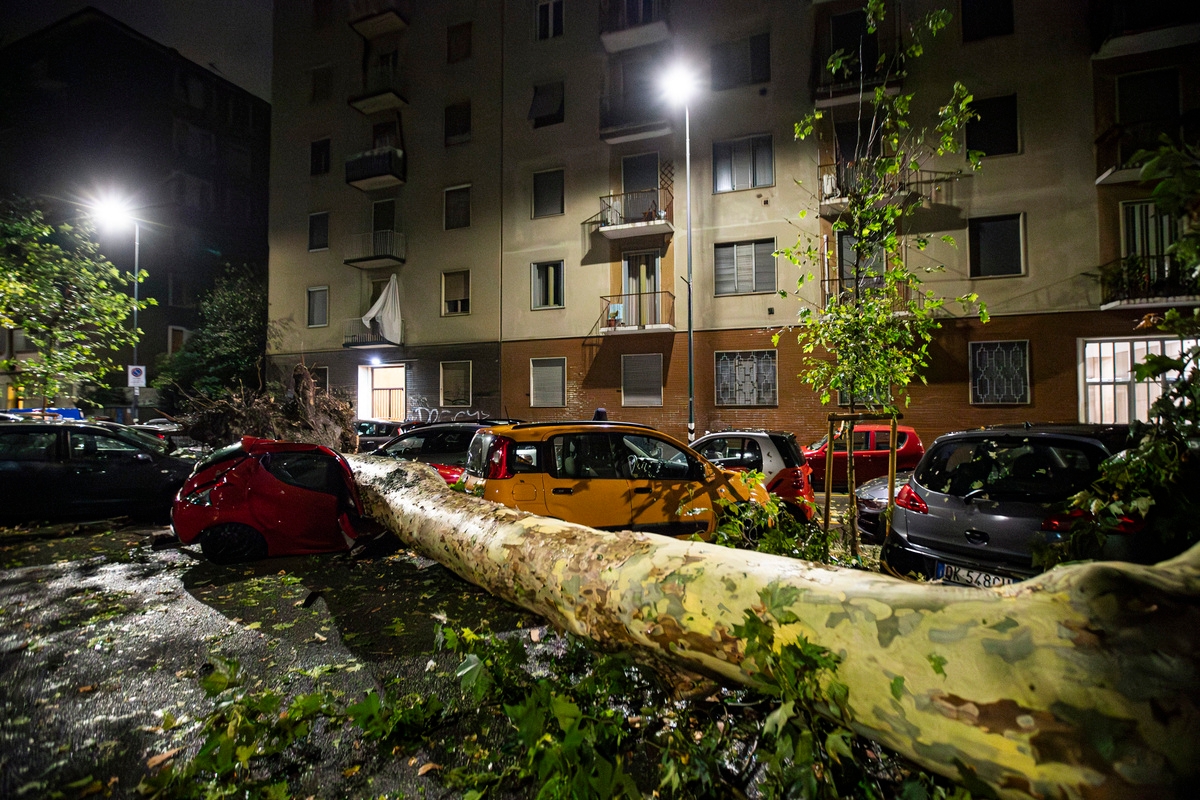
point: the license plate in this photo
(970, 577)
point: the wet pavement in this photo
(103, 640)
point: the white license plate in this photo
(970, 577)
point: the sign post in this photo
(137, 379)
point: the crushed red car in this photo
(261, 497)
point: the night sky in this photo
(229, 37)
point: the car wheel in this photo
(232, 543)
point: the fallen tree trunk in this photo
(1082, 682)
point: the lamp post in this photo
(679, 85)
(113, 213)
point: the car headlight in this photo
(200, 497)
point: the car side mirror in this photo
(143, 457)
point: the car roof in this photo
(745, 432)
(1113, 437)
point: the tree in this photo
(65, 297)
(226, 350)
(1081, 682)
(869, 339)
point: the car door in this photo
(112, 475)
(585, 483)
(871, 459)
(34, 483)
(668, 492)
(297, 496)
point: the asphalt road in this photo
(103, 640)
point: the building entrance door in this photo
(387, 393)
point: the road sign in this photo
(137, 376)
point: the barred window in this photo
(999, 372)
(547, 382)
(747, 378)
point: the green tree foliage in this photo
(226, 351)
(66, 297)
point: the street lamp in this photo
(114, 213)
(678, 86)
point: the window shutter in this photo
(764, 168)
(724, 278)
(764, 266)
(641, 380)
(745, 267)
(741, 164)
(722, 167)
(547, 382)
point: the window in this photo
(458, 42)
(176, 337)
(744, 267)
(385, 134)
(546, 281)
(318, 306)
(982, 19)
(456, 383)
(320, 84)
(742, 62)
(456, 292)
(641, 380)
(318, 157)
(1147, 107)
(1112, 393)
(995, 132)
(458, 207)
(547, 382)
(999, 372)
(458, 123)
(747, 378)
(549, 19)
(848, 33)
(548, 193)
(995, 246)
(743, 164)
(547, 106)
(318, 231)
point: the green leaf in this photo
(898, 687)
(778, 719)
(565, 711)
(938, 663)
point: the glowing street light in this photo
(679, 85)
(113, 212)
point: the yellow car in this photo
(606, 475)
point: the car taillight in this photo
(907, 498)
(498, 459)
(787, 483)
(1063, 521)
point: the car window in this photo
(734, 452)
(444, 442)
(316, 471)
(789, 449)
(585, 455)
(526, 458)
(1037, 469)
(28, 445)
(860, 442)
(647, 457)
(407, 448)
(99, 447)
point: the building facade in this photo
(94, 109)
(516, 167)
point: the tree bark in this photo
(1081, 683)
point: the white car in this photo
(776, 454)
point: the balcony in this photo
(841, 291)
(637, 214)
(627, 119)
(842, 180)
(1149, 281)
(376, 249)
(638, 313)
(380, 168)
(375, 18)
(381, 92)
(357, 335)
(625, 25)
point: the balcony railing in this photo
(375, 169)
(372, 18)
(381, 92)
(842, 291)
(355, 334)
(626, 24)
(1145, 279)
(640, 311)
(839, 181)
(376, 249)
(636, 213)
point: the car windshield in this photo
(1038, 469)
(217, 456)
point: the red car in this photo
(260, 498)
(870, 453)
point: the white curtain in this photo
(387, 312)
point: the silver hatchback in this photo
(979, 500)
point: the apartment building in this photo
(515, 167)
(94, 109)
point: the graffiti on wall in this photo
(426, 413)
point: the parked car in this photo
(871, 500)
(775, 454)
(261, 497)
(70, 470)
(979, 500)
(607, 475)
(441, 445)
(374, 432)
(871, 443)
